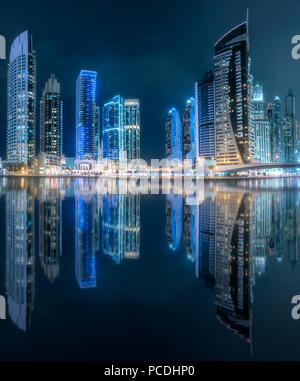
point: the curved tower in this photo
(234, 135)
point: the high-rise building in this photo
(277, 131)
(113, 129)
(21, 102)
(97, 132)
(289, 129)
(190, 136)
(205, 117)
(132, 128)
(173, 136)
(233, 97)
(261, 127)
(174, 222)
(85, 113)
(51, 118)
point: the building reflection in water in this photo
(121, 226)
(20, 256)
(174, 205)
(229, 238)
(85, 234)
(50, 230)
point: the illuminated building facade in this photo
(21, 102)
(85, 113)
(51, 118)
(290, 129)
(190, 136)
(113, 136)
(132, 128)
(173, 136)
(97, 132)
(205, 117)
(261, 126)
(234, 138)
(277, 131)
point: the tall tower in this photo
(277, 131)
(261, 127)
(173, 136)
(132, 128)
(290, 129)
(97, 132)
(113, 129)
(233, 97)
(21, 102)
(205, 116)
(51, 115)
(190, 136)
(85, 113)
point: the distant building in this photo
(277, 132)
(290, 129)
(113, 129)
(51, 118)
(97, 132)
(261, 126)
(85, 113)
(205, 117)
(173, 136)
(132, 128)
(234, 138)
(21, 102)
(190, 136)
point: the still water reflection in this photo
(91, 274)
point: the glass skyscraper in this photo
(234, 138)
(113, 129)
(85, 113)
(21, 102)
(97, 132)
(261, 126)
(277, 131)
(290, 129)
(132, 128)
(51, 118)
(173, 136)
(190, 136)
(205, 116)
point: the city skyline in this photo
(109, 87)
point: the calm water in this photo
(89, 274)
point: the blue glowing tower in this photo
(85, 113)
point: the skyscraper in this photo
(97, 132)
(132, 128)
(113, 129)
(205, 117)
(51, 115)
(190, 136)
(277, 131)
(233, 97)
(261, 127)
(289, 129)
(21, 102)
(173, 136)
(85, 113)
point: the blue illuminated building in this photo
(113, 134)
(190, 135)
(173, 136)
(85, 113)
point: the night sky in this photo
(153, 50)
